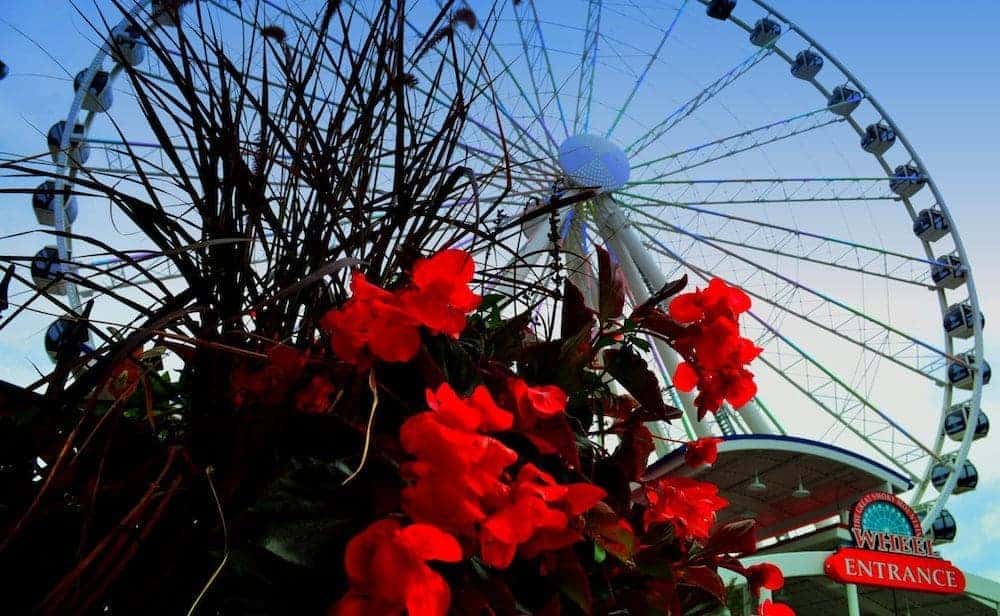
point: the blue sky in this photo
(932, 64)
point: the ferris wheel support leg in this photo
(529, 254)
(755, 418)
(644, 278)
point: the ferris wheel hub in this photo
(594, 162)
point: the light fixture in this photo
(801, 491)
(756, 485)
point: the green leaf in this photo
(599, 554)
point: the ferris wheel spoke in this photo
(770, 190)
(831, 315)
(828, 391)
(738, 143)
(799, 244)
(588, 64)
(534, 39)
(692, 104)
(645, 71)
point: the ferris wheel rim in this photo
(973, 298)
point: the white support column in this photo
(537, 235)
(644, 278)
(853, 605)
(610, 216)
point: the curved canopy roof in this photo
(834, 477)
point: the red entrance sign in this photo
(871, 568)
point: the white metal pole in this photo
(644, 278)
(853, 604)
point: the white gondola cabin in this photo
(948, 272)
(878, 138)
(844, 100)
(78, 151)
(43, 202)
(59, 334)
(127, 45)
(47, 271)
(720, 9)
(960, 374)
(907, 181)
(956, 422)
(807, 64)
(930, 225)
(959, 320)
(968, 476)
(765, 32)
(98, 96)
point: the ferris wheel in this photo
(707, 139)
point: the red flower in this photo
(477, 412)
(124, 378)
(387, 568)
(269, 385)
(440, 297)
(371, 324)
(769, 608)
(688, 505)
(538, 517)
(718, 298)
(457, 474)
(385, 325)
(536, 403)
(704, 451)
(315, 396)
(712, 347)
(764, 575)
(541, 418)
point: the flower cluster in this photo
(460, 481)
(474, 485)
(457, 471)
(536, 517)
(385, 325)
(686, 504)
(714, 352)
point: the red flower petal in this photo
(769, 608)
(492, 417)
(427, 594)
(428, 542)
(451, 265)
(701, 452)
(581, 497)
(742, 390)
(361, 548)
(685, 378)
(686, 308)
(764, 575)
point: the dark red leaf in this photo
(555, 436)
(632, 372)
(737, 537)
(671, 288)
(576, 316)
(704, 578)
(633, 452)
(611, 286)
(660, 324)
(571, 578)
